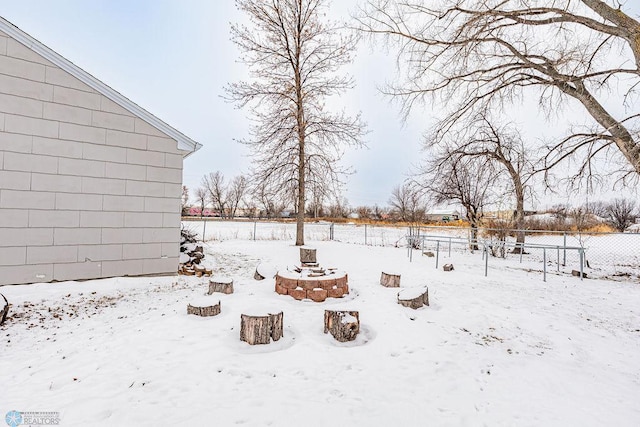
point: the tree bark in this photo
(203, 310)
(407, 298)
(389, 280)
(343, 325)
(261, 329)
(221, 284)
(308, 256)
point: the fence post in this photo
(204, 229)
(437, 252)
(486, 260)
(365, 234)
(564, 256)
(331, 231)
(558, 263)
(581, 250)
(521, 250)
(544, 261)
(255, 225)
(449, 246)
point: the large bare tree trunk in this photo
(294, 54)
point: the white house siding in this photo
(87, 189)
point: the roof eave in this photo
(184, 142)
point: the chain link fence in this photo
(611, 255)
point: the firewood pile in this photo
(191, 256)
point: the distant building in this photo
(443, 215)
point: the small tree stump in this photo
(577, 274)
(308, 256)
(203, 308)
(263, 271)
(390, 280)
(343, 325)
(4, 310)
(447, 267)
(429, 254)
(261, 329)
(414, 297)
(221, 284)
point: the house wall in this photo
(87, 189)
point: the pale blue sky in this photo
(174, 57)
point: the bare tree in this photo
(483, 137)
(214, 184)
(184, 200)
(408, 202)
(466, 180)
(479, 54)
(621, 213)
(235, 194)
(294, 53)
(364, 212)
(201, 198)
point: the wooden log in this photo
(390, 280)
(5, 309)
(447, 267)
(414, 297)
(261, 329)
(429, 254)
(308, 255)
(221, 284)
(203, 308)
(576, 273)
(343, 325)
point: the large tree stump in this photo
(261, 329)
(447, 267)
(343, 325)
(221, 284)
(390, 280)
(308, 256)
(4, 309)
(414, 297)
(203, 307)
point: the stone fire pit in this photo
(314, 283)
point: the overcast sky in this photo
(173, 57)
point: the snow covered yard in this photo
(507, 349)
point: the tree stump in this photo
(447, 267)
(203, 308)
(308, 256)
(390, 280)
(263, 271)
(221, 284)
(576, 273)
(261, 329)
(343, 325)
(414, 297)
(429, 254)
(4, 310)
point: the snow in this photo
(507, 349)
(184, 258)
(266, 270)
(348, 318)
